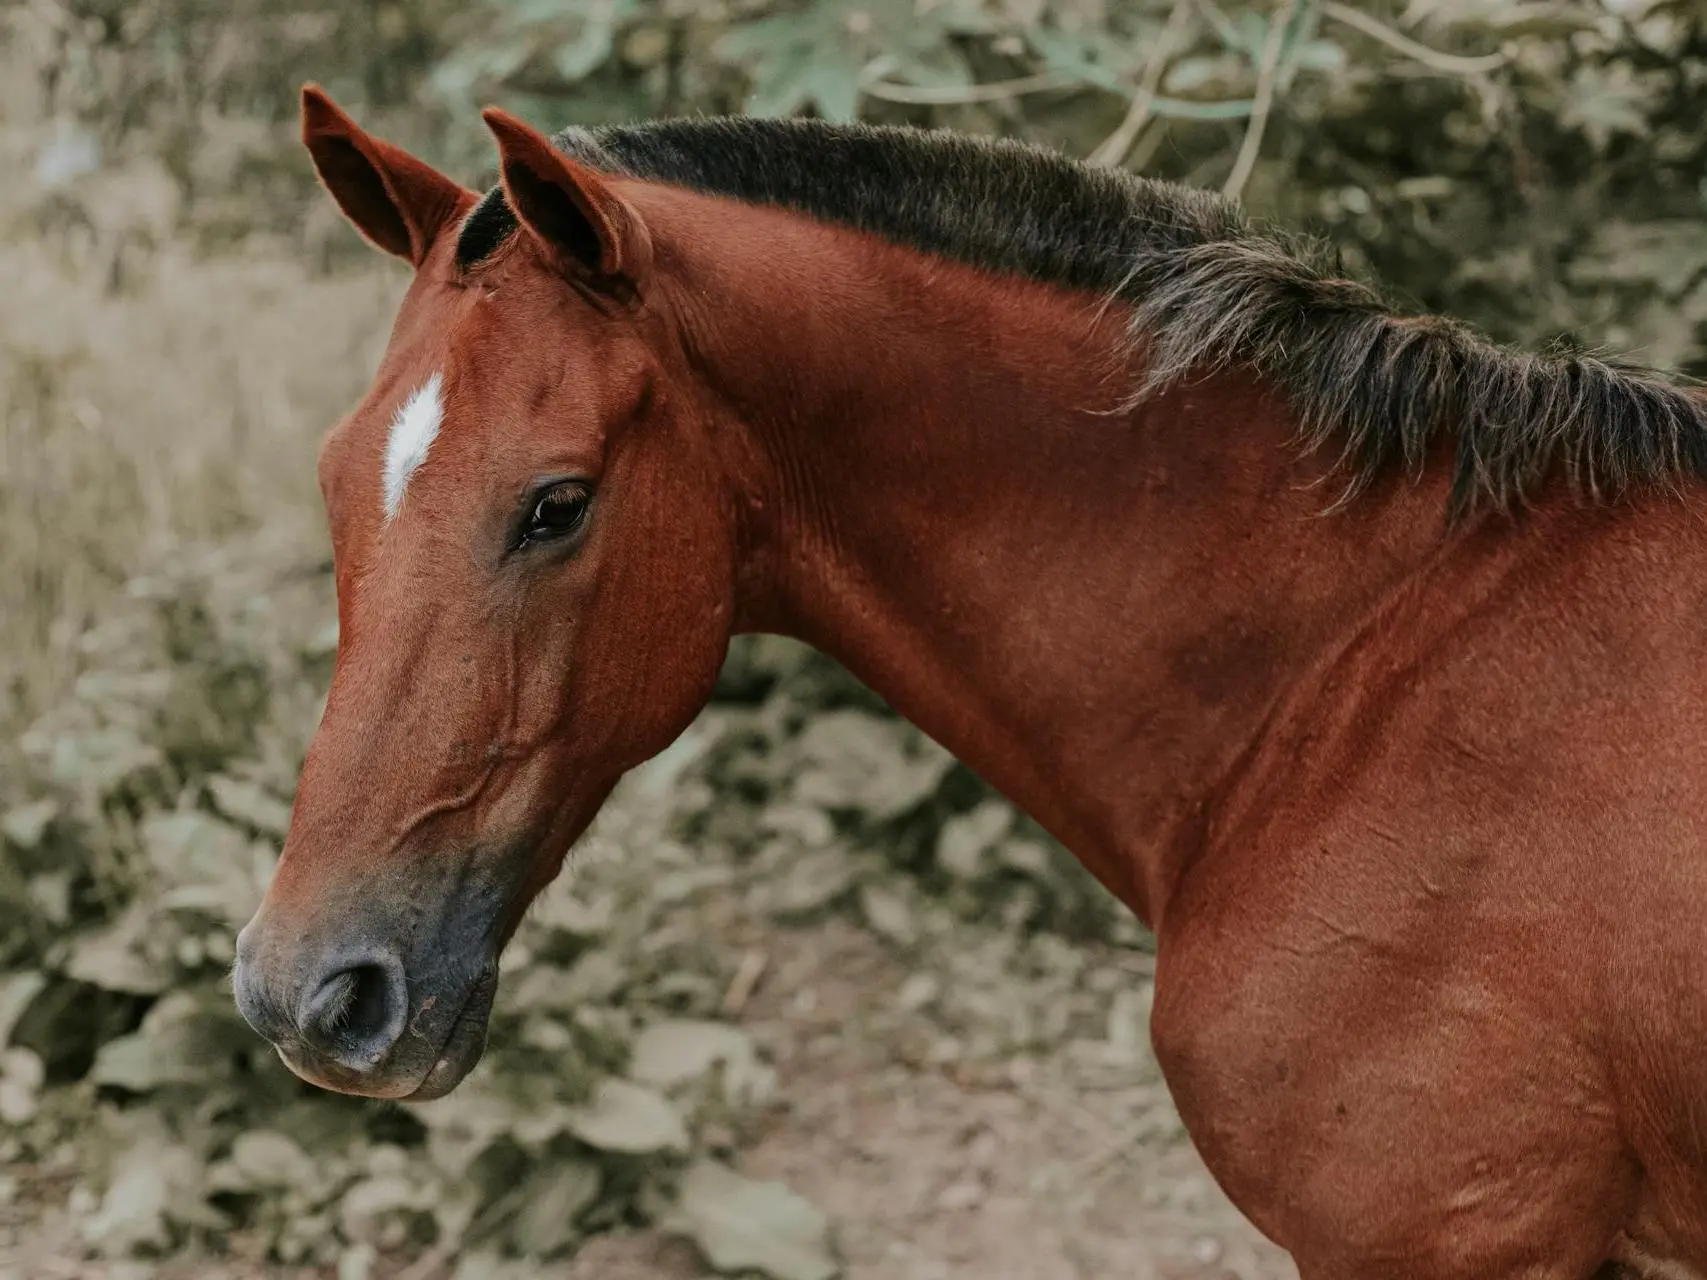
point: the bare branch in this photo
(1450, 63)
(1252, 144)
(1113, 150)
(957, 95)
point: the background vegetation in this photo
(182, 315)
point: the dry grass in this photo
(151, 396)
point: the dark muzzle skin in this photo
(382, 987)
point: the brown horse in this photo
(1365, 661)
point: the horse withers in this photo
(1364, 660)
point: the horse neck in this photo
(1094, 607)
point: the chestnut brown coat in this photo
(1365, 661)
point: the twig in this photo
(746, 980)
(1113, 150)
(1451, 63)
(957, 95)
(1111, 1153)
(1140, 156)
(1247, 157)
(1043, 82)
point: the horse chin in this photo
(335, 1079)
(462, 1048)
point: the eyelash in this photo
(572, 496)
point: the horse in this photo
(1364, 659)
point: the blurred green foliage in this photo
(1536, 166)
(1488, 157)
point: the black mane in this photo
(1206, 287)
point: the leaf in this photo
(805, 824)
(834, 81)
(1029, 858)
(557, 1195)
(323, 643)
(50, 895)
(1127, 1020)
(1071, 58)
(888, 914)
(577, 59)
(1606, 100)
(137, 688)
(117, 958)
(630, 1119)
(1321, 55)
(464, 1125)
(782, 86)
(935, 68)
(17, 992)
(594, 978)
(741, 1224)
(103, 761)
(538, 1126)
(559, 910)
(500, 59)
(813, 883)
(796, 62)
(1660, 255)
(1221, 73)
(195, 851)
(679, 1051)
(268, 1158)
(376, 1210)
(153, 1179)
(656, 779)
(21, 1075)
(855, 760)
(758, 39)
(185, 847)
(249, 804)
(964, 18)
(24, 825)
(964, 842)
(356, 1262)
(676, 1050)
(679, 886)
(182, 1040)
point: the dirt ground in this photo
(937, 1175)
(1031, 1173)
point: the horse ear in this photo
(584, 227)
(398, 202)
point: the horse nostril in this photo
(356, 1014)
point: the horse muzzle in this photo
(382, 990)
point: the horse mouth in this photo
(463, 1046)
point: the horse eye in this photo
(557, 512)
